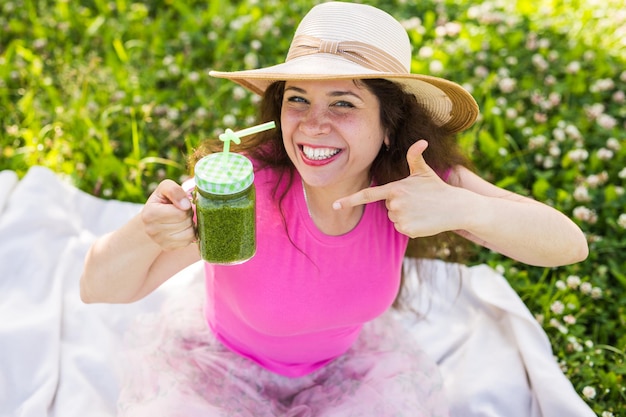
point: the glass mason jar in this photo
(225, 202)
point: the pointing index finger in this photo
(365, 196)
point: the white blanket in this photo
(57, 355)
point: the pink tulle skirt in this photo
(174, 366)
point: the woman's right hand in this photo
(168, 218)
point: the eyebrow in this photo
(338, 93)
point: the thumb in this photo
(169, 192)
(415, 158)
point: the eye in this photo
(343, 103)
(296, 99)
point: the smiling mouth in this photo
(319, 154)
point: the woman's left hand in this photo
(419, 205)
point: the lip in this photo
(317, 162)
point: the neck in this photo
(328, 220)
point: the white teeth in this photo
(319, 153)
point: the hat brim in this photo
(449, 104)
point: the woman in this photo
(362, 160)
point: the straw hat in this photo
(338, 40)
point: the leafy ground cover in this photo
(114, 95)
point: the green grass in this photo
(114, 95)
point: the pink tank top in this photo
(302, 300)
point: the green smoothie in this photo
(225, 202)
(227, 226)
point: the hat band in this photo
(360, 53)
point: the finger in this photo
(169, 192)
(365, 196)
(415, 158)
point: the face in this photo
(331, 131)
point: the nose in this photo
(315, 121)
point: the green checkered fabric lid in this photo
(224, 173)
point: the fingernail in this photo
(337, 205)
(185, 204)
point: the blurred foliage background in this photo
(114, 95)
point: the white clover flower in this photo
(539, 62)
(603, 84)
(586, 288)
(622, 173)
(578, 155)
(174, 70)
(557, 307)
(585, 214)
(569, 319)
(435, 66)
(413, 23)
(594, 111)
(613, 144)
(596, 293)
(605, 154)
(548, 162)
(510, 113)
(560, 285)
(573, 132)
(573, 67)
(589, 344)
(507, 85)
(558, 134)
(621, 220)
(554, 149)
(540, 117)
(521, 122)
(239, 93)
(251, 60)
(581, 194)
(426, 52)
(544, 43)
(539, 318)
(256, 44)
(606, 121)
(512, 60)
(555, 99)
(173, 113)
(536, 98)
(574, 345)
(453, 28)
(481, 71)
(593, 180)
(607, 414)
(619, 97)
(229, 120)
(589, 392)
(550, 80)
(193, 76)
(202, 113)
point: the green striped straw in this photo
(230, 136)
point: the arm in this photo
(516, 226)
(521, 228)
(131, 262)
